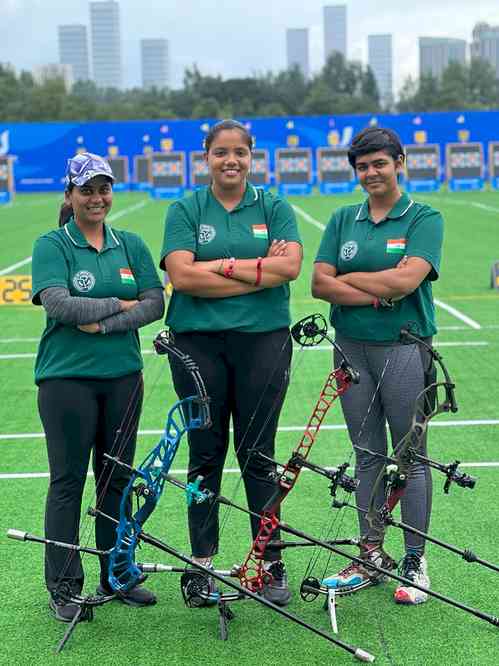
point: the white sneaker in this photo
(415, 568)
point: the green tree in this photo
(206, 108)
(454, 87)
(483, 84)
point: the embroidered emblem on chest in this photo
(206, 233)
(349, 250)
(83, 281)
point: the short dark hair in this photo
(227, 125)
(371, 140)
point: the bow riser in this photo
(251, 573)
(187, 414)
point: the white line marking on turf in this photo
(319, 348)
(10, 357)
(111, 218)
(456, 313)
(229, 470)
(9, 269)
(308, 218)
(151, 337)
(130, 209)
(143, 433)
(489, 209)
(465, 202)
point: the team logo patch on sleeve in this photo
(126, 276)
(260, 231)
(395, 245)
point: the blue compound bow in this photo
(188, 414)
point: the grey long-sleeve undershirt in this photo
(77, 310)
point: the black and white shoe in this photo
(277, 590)
(137, 596)
(64, 611)
(415, 568)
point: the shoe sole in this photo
(404, 598)
(127, 602)
(58, 617)
(284, 601)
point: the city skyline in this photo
(230, 44)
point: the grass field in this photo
(170, 633)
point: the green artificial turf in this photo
(170, 633)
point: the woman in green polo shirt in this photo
(375, 265)
(98, 285)
(230, 251)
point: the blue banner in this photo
(40, 150)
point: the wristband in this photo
(229, 269)
(384, 303)
(258, 272)
(102, 328)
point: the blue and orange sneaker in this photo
(357, 576)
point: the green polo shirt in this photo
(352, 242)
(123, 269)
(201, 225)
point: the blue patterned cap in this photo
(83, 167)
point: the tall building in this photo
(106, 43)
(380, 60)
(154, 62)
(436, 53)
(297, 49)
(335, 30)
(73, 50)
(485, 44)
(44, 73)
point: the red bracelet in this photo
(229, 269)
(258, 272)
(376, 303)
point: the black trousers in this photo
(246, 377)
(80, 417)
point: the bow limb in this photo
(435, 399)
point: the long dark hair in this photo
(66, 210)
(65, 214)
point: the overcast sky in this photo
(238, 37)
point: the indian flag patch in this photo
(127, 276)
(260, 231)
(395, 245)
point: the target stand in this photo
(334, 173)
(422, 163)
(167, 175)
(6, 179)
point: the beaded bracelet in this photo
(229, 269)
(258, 272)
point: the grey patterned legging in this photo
(391, 378)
